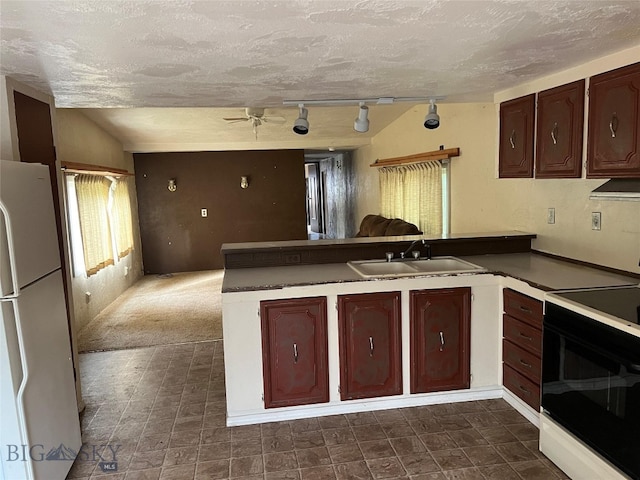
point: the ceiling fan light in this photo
(432, 120)
(361, 123)
(301, 125)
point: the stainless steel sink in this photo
(407, 268)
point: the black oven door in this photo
(591, 384)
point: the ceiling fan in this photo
(257, 117)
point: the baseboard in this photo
(367, 405)
(523, 408)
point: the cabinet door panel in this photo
(516, 137)
(370, 345)
(440, 336)
(614, 124)
(294, 347)
(559, 131)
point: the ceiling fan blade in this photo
(236, 119)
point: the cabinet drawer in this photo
(523, 308)
(524, 362)
(522, 387)
(522, 334)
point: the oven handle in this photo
(631, 367)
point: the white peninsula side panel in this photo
(243, 347)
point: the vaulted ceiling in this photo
(158, 73)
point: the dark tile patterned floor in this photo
(159, 413)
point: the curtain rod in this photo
(88, 169)
(418, 158)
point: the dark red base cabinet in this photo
(294, 351)
(370, 345)
(440, 339)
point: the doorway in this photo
(316, 182)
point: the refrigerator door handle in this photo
(25, 375)
(12, 257)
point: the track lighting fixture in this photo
(301, 125)
(361, 123)
(432, 120)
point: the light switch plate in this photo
(596, 221)
(551, 215)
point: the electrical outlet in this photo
(126, 270)
(596, 221)
(203, 212)
(551, 216)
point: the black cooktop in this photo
(623, 303)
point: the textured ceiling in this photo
(99, 54)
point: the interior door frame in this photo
(9, 134)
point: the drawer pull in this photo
(525, 309)
(512, 139)
(524, 390)
(554, 133)
(295, 353)
(528, 365)
(613, 125)
(441, 341)
(371, 346)
(526, 337)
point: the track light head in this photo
(301, 125)
(432, 120)
(361, 123)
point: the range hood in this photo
(618, 189)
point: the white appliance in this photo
(39, 424)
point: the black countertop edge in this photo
(280, 286)
(356, 242)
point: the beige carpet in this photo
(159, 310)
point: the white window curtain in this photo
(121, 215)
(414, 194)
(93, 199)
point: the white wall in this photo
(80, 140)
(482, 202)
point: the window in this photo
(100, 222)
(415, 193)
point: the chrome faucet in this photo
(416, 253)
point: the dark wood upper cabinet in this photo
(440, 339)
(370, 345)
(516, 137)
(614, 124)
(560, 123)
(294, 351)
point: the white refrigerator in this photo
(39, 423)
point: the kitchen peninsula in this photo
(316, 306)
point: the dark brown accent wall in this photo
(176, 238)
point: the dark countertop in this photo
(359, 241)
(547, 273)
(539, 271)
